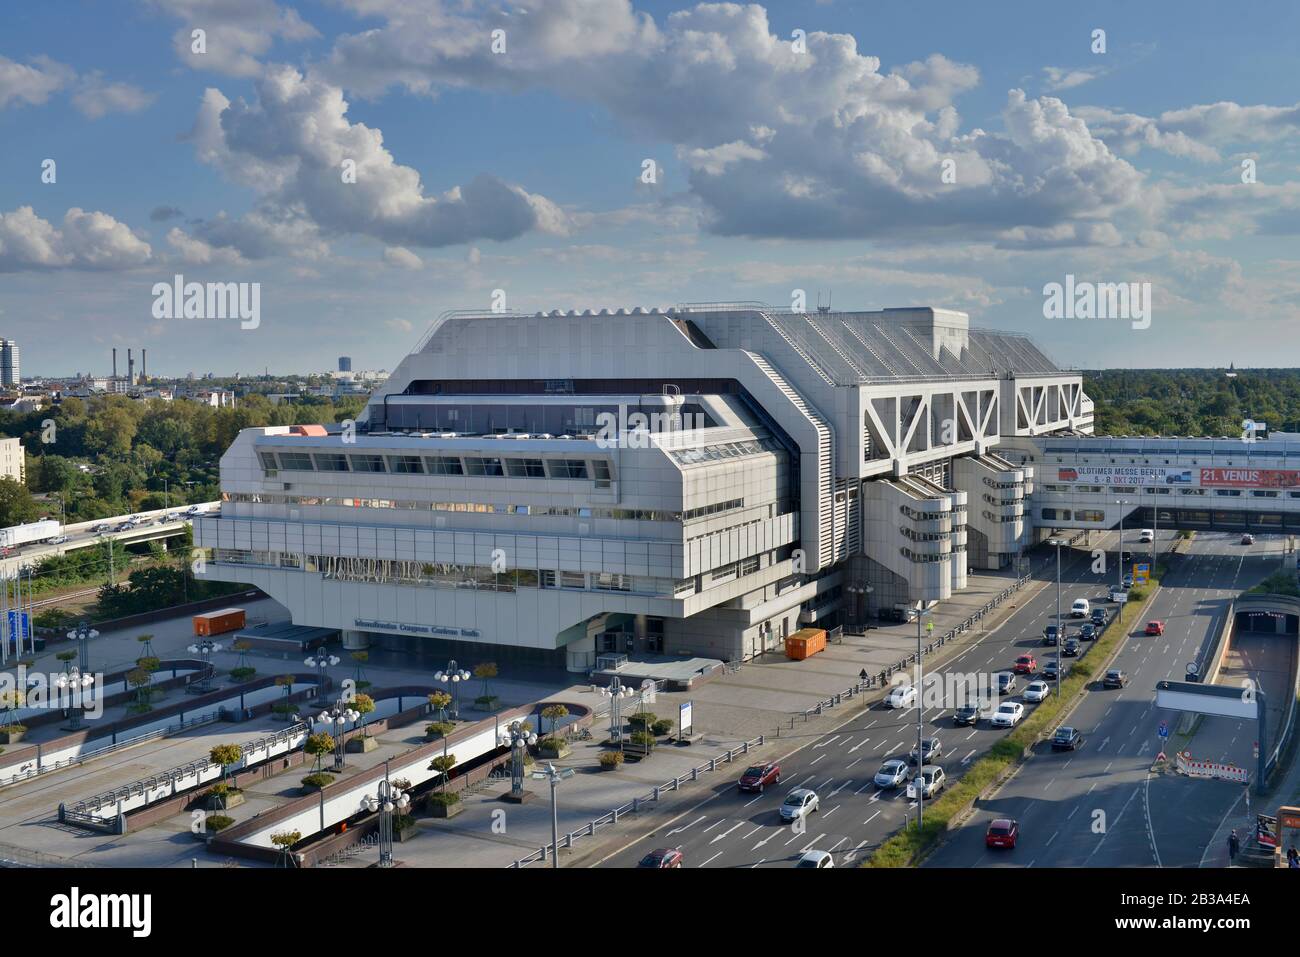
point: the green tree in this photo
(225, 755)
(16, 503)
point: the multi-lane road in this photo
(732, 829)
(1100, 806)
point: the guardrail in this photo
(612, 817)
(14, 856)
(882, 678)
(90, 807)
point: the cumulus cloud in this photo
(1197, 132)
(195, 252)
(237, 33)
(32, 83)
(402, 257)
(820, 143)
(86, 240)
(96, 97)
(1059, 78)
(296, 147)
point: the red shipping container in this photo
(218, 622)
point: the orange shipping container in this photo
(805, 643)
(218, 622)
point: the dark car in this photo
(1051, 635)
(1088, 632)
(931, 750)
(1067, 739)
(1004, 832)
(966, 714)
(1248, 539)
(1051, 668)
(1115, 678)
(1071, 648)
(1098, 617)
(758, 776)
(662, 857)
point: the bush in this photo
(284, 707)
(552, 744)
(218, 822)
(642, 718)
(643, 738)
(486, 700)
(242, 674)
(319, 780)
(221, 789)
(662, 726)
(444, 798)
(611, 759)
(439, 728)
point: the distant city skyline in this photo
(354, 168)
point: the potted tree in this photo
(242, 671)
(363, 704)
(438, 702)
(285, 840)
(486, 700)
(11, 732)
(284, 709)
(444, 803)
(223, 796)
(318, 745)
(554, 746)
(140, 680)
(359, 681)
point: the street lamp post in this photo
(555, 776)
(616, 694)
(1059, 662)
(1119, 578)
(320, 661)
(517, 738)
(388, 801)
(921, 612)
(83, 634)
(77, 682)
(337, 718)
(453, 675)
(206, 649)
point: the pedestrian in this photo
(1293, 857)
(1234, 845)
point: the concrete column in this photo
(355, 640)
(580, 655)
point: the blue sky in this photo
(778, 169)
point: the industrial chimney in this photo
(115, 363)
(144, 365)
(130, 368)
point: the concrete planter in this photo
(217, 802)
(12, 737)
(361, 745)
(445, 810)
(488, 707)
(563, 751)
(405, 833)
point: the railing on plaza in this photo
(612, 817)
(87, 809)
(13, 856)
(84, 756)
(881, 679)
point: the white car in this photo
(59, 541)
(815, 859)
(1146, 536)
(891, 774)
(904, 696)
(932, 780)
(1080, 608)
(1008, 714)
(1037, 691)
(799, 803)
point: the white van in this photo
(1080, 608)
(1146, 536)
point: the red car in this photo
(1003, 832)
(1155, 627)
(662, 857)
(758, 776)
(1026, 665)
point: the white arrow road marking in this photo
(714, 824)
(1105, 741)
(678, 830)
(766, 839)
(858, 745)
(711, 859)
(847, 782)
(826, 742)
(726, 832)
(852, 855)
(864, 787)
(966, 760)
(808, 847)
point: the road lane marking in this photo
(678, 830)
(714, 824)
(719, 837)
(966, 760)
(827, 742)
(870, 819)
(711, 859)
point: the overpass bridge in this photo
(1222, 484)
(157, 524)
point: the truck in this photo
(218, 622)
(18, 535)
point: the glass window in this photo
(568, 469)
(268, 461)
(482, 466)
(406, 464)
(331, 462)
(525, 468)
(296, 461)
(600, 469)
(444, 465)
(368, 463)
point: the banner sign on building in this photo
(1251, 478)
(1112, 475)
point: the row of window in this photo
(704, 510)
(924, 536)
(1001, 519)
(727, 450)
(483, 508)
(919, 516)
(484, 466)
(926, 558)
(1079, 515)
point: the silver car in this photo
(799, 803)
(891, 774)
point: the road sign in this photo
(1163, 730)
(1141, 573)
(1161, 757)
(685, 721)
(1255, 749)
(929, 626)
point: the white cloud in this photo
(1197, 132)
(399, 325)
(237, 32)
(194, 251)
(1059, 78)
(33, 83)
(96, 97)
(402, 257)
(86, 240)
(291, 146)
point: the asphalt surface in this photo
(1100, 806)
(734, 829)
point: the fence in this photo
(882, 678)
(13, 856)
(611, 818)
